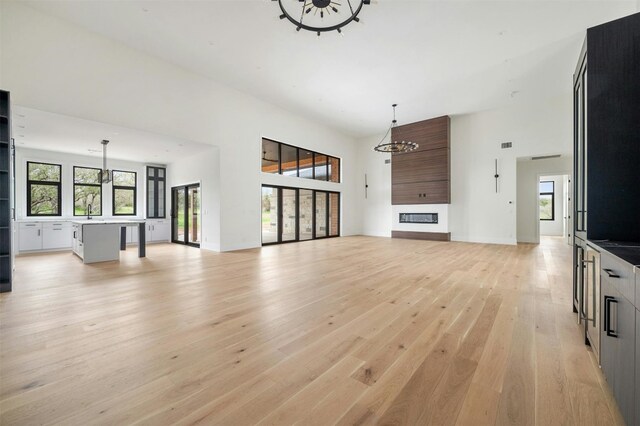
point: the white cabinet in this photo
(44, 236)
(29, 236)
(56, 236)
(132, 235)
(158, 230)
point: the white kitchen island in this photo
(101, 240)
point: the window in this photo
(289, 164)
(87, 191)
(270, 156)
(44, 189)
(288, 160)
(306, 163)
(156, 192)
(547, 200)
(124, 193)
(334, 169)
(320, 167)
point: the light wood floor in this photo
(353, 330)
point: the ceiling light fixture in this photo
(264, 158)
(321, 16)
(105, 174)
(394, 146)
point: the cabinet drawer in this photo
(619, 274)
(29, 225)
(56, 225)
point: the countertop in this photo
(625, 250)
(109, 222)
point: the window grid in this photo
(118, 188)
(77, 185)
(311, 165)
(33, 184)
(543, 195)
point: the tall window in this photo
(547, 200)
(124, 193)
(156, 192)
(87, 191)
(44, 189)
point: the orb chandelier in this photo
(394, 146)
(321, 16)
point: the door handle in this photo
(593, 298)
(611, 274)
(608, 300)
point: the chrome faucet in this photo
(89, 212)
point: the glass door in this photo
(289, 215)
(185, 215)
(306, 214)
(298, 214)
(269, 215)
(193, 213)
(178, 234)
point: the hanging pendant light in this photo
(105, 174)
(319, 16)
(394, 146)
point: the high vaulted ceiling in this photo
(431, 57)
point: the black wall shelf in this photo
(6, 258)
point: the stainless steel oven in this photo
(592, 298)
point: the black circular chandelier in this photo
(394, 146)
(320, 16)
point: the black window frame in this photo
(40, 182)
(314, 236)
(99, 185)
(313, 162)
(156, 195)
(553, 199)
(122, 187)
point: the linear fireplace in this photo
(418, 217)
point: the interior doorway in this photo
(185, 215)
(554, 203)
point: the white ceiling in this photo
(54, 132)
(431, 57)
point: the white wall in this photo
(477, 213)
(528, 175)
(555, 227)
(55, 66)
(377, 212)
(203, 168)
(68, 161)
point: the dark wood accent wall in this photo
(422, 176)
(430, 236)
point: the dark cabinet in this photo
(618, 348)
(606, 107)
(606, 89)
